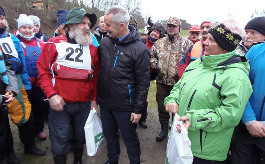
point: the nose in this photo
(87, 26)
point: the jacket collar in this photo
(213, 61)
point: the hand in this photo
(9, 98)
(135, 117)
(56, 102)
(172, 107)
(186, 123)
(257, 129)
(94, 104)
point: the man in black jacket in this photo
(123, 84)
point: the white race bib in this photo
(73, 55)
(8, 46)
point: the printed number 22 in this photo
(76, 59)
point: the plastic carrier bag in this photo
(178, 145)
(93, 133)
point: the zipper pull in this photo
(210, 119)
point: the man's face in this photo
(111, 27)
(84, 25)
(36, 28)
(155, 34)
(211, 46)
(204, 30)
(252, 37)
(2, 21)
(194, 36)
(101, 24)
(26, 30)
(172, 29)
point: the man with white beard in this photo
(73, 63)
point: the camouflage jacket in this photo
(165, 57)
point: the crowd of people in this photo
(213, 80)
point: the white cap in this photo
(35, 19)
(24, 20)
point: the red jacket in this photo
(70, 90)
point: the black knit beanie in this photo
(224, 38)
(158, 27)
(2, 11)
(257, 24)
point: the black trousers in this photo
(197, 160)
(162, 91)
(38, 107)
(66, 128)
(144, 114)
(6, 139)
(112, 121)
(245, 148)
(27, 131)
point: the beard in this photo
(82, 37)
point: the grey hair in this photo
(120, 14)
(233, 26)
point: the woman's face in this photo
(26, 30)
(211, 46)
(2, 21)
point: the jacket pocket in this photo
(202, 138)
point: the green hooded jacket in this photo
(213, 93)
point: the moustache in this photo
(249, 40)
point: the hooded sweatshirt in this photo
(212, 93)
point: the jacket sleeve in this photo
(95, 74)
(174, 94)
(236, 93)
(184, 62)
(142, 78)
(12, 79)
(44, 63)
(249, 114)
(154, 57)
(24, 73)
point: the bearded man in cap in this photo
(72, 62)
(165, 56)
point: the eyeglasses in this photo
(194, 33)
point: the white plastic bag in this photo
(178, 145)
(93, 133)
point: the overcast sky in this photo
(194, 12)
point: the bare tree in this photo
(258, 13)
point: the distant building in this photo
(37, 4)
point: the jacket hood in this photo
(226, 61)
(132, 36)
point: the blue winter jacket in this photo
(24, 73)
(255, 107)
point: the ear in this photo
(122, 26)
